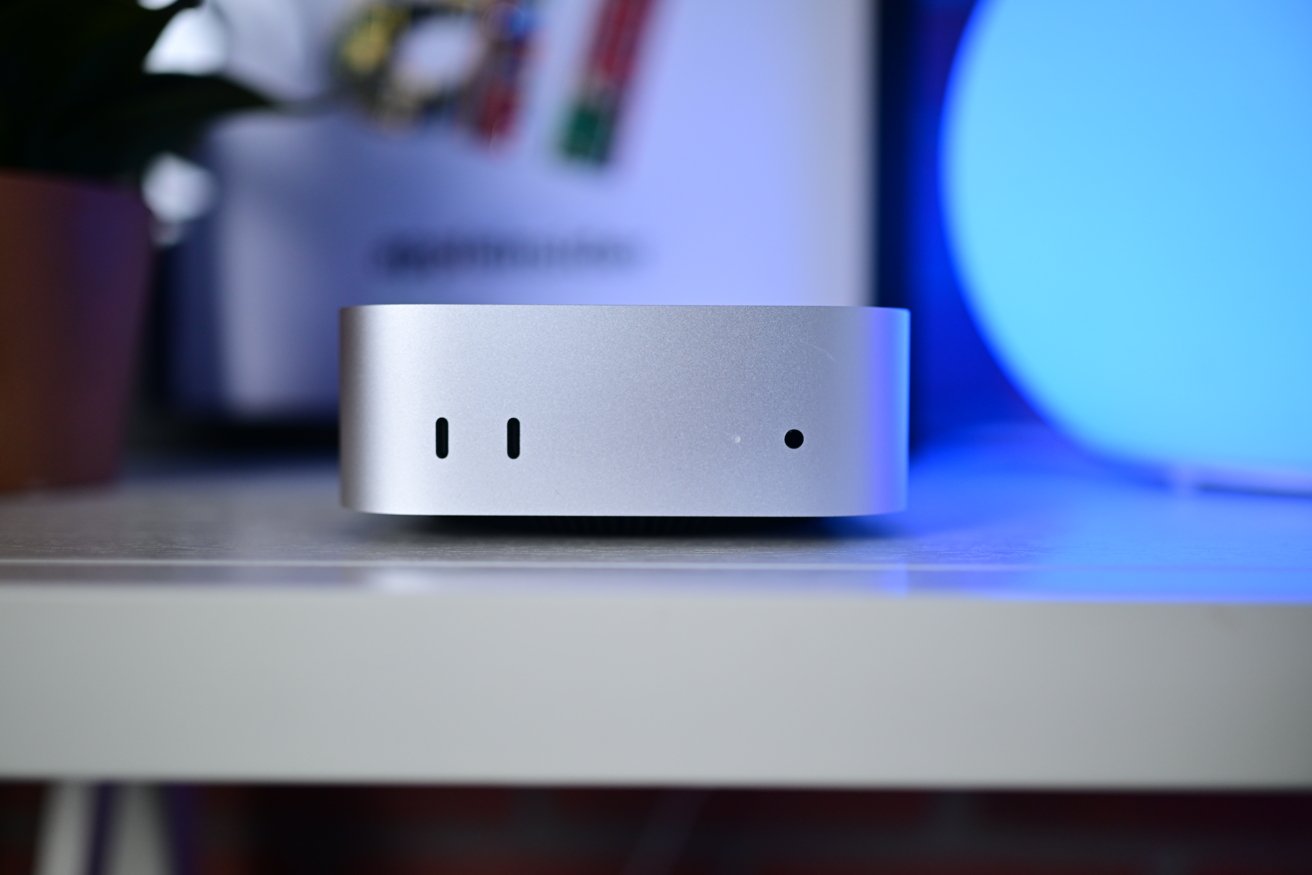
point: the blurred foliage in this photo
(75, 97)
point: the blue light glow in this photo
(1128, 193)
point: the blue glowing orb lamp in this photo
(1128, 192)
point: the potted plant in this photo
(80, 119)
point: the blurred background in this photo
(1093, 212)
(591, 831)
(1097, 213)
(625, 152)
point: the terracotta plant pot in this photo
(74, 265)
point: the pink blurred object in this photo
(74, 267)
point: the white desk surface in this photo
(1034, 619)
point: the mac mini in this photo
(623, 411)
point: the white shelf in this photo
(1033, 620)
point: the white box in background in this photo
(739, 173)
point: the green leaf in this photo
(161, 113)
(74, 96)
(73, 57)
